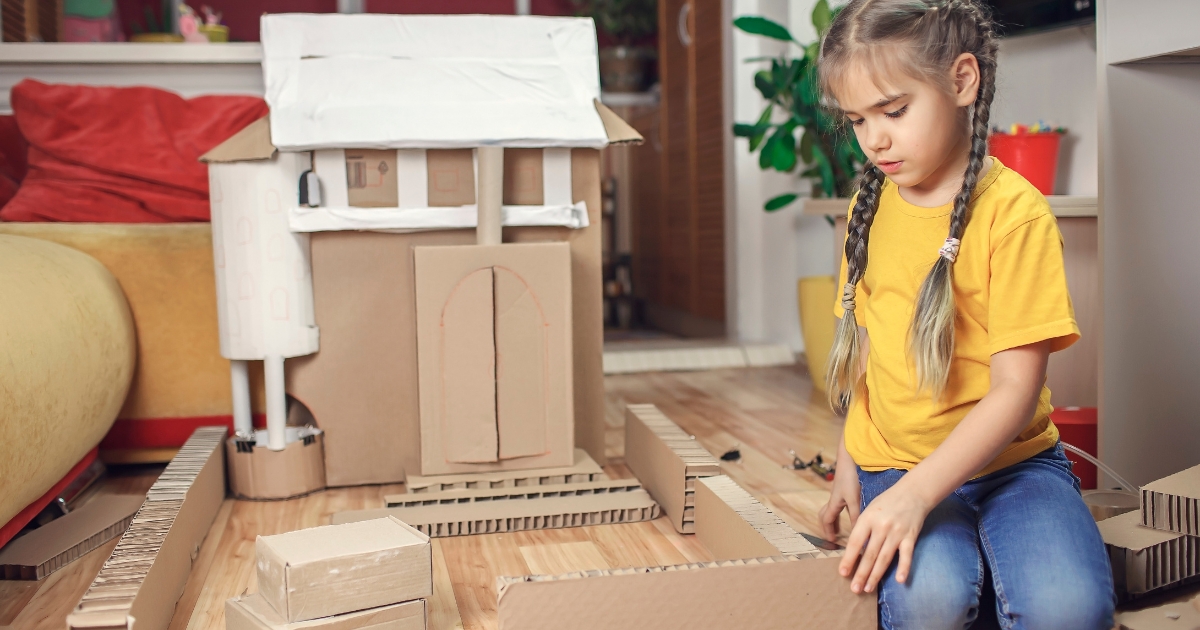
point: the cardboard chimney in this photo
(348, 209)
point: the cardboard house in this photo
(345, 243)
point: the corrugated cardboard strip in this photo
(512, 494)
(583, 470)
(1145, 559)
(1173, 503)
(488, 517)
(145, 575)
(775, 592)
(63, 540)
(733, 524)
(668, 461)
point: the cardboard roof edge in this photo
(254, 141)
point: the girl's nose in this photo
(878, 139)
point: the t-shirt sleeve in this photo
(861, 294)
(1029, 301)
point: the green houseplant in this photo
(829, 153)
(623, 66)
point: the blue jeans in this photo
(1028, 527)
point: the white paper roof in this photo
(431, 81)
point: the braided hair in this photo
(926, 36)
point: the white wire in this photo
(1099, 464)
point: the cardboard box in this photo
(265, 474)
(668, 461)
(530, 493)
(732, 524)
(145, 575)
(63, 540)
(761, 593)
(1175, 616)
(337, 569)
(252, 612)
(1173, 503)
(584, 469)
(494, 357)
(465, 519)
(1145, 559)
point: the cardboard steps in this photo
(776, 592)
(63, 540)
(338, 569)
(505, 494)
(733, 524)
(488, 517)
(1144, 559)
(583, 470)
(668, 461)
(252, 612)
(1173, 503)
(145, 575)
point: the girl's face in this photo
(914, 131)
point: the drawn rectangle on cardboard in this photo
(667, 460)
(371, 178)
(145, 575)
(584, 469)
(761, 593)
(252, 612)
(1173, 503)
(1145, 559)
(732, 524)
(464, 519)
(512, 493)
(451, 177)
(523, 177)
(412, 178)
(336, 569)
(535, 284)
(63, 540)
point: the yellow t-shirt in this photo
(1010, 290)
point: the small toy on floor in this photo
(816, 464)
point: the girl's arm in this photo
(893, 520)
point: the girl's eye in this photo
(856, 122)
(896, 114)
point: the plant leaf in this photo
(776, 203)
(758, 25)
(783, 158)
(766, 86)
(821, 16)
(806, 146)
(742, 130)
(768, 150)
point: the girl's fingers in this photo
(906, 553)
(829, 515)
(882, 562)
(854, 547)
(868, 560)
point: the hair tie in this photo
(949, 250)
(848, 296)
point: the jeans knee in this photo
(1069, 608)
(933, 603)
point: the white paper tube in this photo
(489, 194)
(240, 379)
(276, 403)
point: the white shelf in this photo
(130, 53)
(1061, 205)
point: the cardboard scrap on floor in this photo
(337, 569)
(759, 593)
(463, 519)
(668, 461)
(1176, 616)
(253, 612)
(583, 470)
(516, 494)
(145, 575)
(65, 539)
(732, 524)
(1145, 559)
(1173, 503)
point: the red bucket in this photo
(1033, 155)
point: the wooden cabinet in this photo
(678, 198)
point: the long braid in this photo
(843, 365)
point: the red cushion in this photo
(13, 150)
(119, 155)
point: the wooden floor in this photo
(762, 411)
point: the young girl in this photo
(949, 465)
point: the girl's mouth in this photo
(889, 167)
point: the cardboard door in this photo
(468, 375)
(521, 366)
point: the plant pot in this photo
(817, 323)
(624, 68)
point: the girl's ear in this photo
(964, 76)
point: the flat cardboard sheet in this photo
(1173, 503)
(582, 471)
(1177, 616)
(511, 494)
(514, 81)
(733, 525)
(668, 461)
(336, 569)
(494, 356)
(464, 519)
(762, 593)
(1145, 559)
(252, 612)
(145, 575)
(265, 474)
(63, 540)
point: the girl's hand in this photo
(846, 495)
(890, 523)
